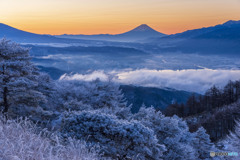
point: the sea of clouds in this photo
(189, 80)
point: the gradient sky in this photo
(115, 16)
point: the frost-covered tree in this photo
(170, 131)
(174, 133)
(203, 144)
(119, 139)
(96, 95)
(18, 77)
(231, 142)
(45, 84)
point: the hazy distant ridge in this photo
(139, 33)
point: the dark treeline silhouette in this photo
(216, 110)
(212, 99)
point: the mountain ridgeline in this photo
(220, 39)
(139, 33)
(21, 36)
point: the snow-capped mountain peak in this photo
(143, 27)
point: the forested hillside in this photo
(216, 110)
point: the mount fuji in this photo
(137, 34)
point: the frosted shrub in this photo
(20, 140)
(119, 139)
(170, 131)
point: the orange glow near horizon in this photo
(114, 17)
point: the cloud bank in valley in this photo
(190, 80)
(87, 77)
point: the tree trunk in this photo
(5, 100)
(5, 93)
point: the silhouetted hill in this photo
(20, 36)
(150, 96)
(228, 30)
(219, 39)
(80, 50)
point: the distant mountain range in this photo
(139, 33)
(219, 39)
(228, 30)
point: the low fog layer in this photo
(190, 80)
